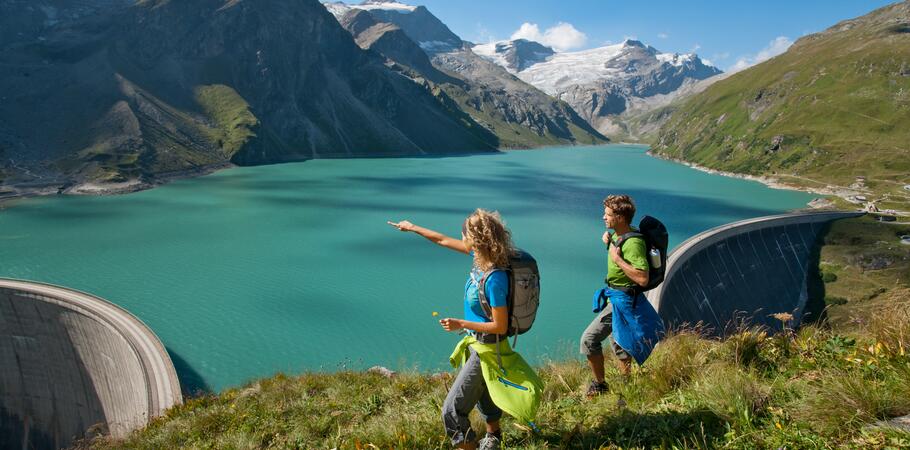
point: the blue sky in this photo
(724, 32)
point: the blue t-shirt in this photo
(497, 290)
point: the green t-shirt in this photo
(635, 253)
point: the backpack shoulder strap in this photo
(482, 291)
(626, 236)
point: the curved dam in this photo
(71, 362)
(743, 272)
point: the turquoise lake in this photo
(292, 267)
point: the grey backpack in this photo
(524, 292)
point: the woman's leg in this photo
(467, 390)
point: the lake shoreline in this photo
(89, 188)
(771, 182)
(106, 189)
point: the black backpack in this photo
(656, 239)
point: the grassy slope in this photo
(820, 387)
(812, 388)
(864, 266)
(231, 113)
(840, 99)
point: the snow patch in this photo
(572, 68)
(339, 9)
(493, 52)
(386, 5)
(436, 46)
(676, 59)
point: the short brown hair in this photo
(621, 205)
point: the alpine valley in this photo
(117, 95)
(103, 95)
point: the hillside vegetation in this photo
(863, 266)
(835, 106)
(811, 388)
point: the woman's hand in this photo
(451, 324)
(404, 225)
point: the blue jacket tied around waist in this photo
(636, 329)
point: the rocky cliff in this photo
(518, 114)
(161, 87)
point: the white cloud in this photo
(483, 34)
(779, 45)
(720, 56)
(563, 36)
(696, 47)
(663, 35)
(707, 61)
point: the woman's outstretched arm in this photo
(433, 236)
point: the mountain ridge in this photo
(518, 113)
(168, 87)
(608, 86)
(825, 112)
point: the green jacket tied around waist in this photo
(515, 388)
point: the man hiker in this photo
(628, 318)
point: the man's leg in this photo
(623, 359)
(591, 342)
(596, 363)
(625, 367)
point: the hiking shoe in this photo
(595, 389)
(489, 442)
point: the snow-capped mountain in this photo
(422, 48)
(602, 83)
(515, 55)
(416, 21)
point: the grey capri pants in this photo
(468, 390)
(599, 329)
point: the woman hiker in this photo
(488, 241)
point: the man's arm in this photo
(638, 276)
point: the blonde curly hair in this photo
(489, 238)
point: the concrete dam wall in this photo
(743, 272)
(70, 362)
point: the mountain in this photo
(516, 55)
(604, 85)
(418, 22)
(28, 20)
(835, 106)
(520, 115)
(135, 94)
